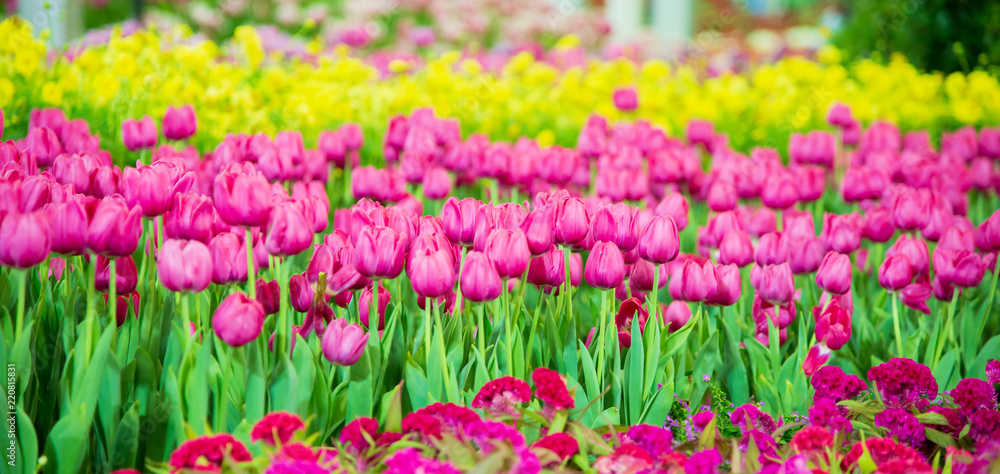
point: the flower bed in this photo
(632, 291)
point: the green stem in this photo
(251, 274)
(534, 327)
(600, 337)
(481, 330)
(895, 327)
(89, 319)
(428, 302)
(373, 309)
(283, 327)
(22, 288)
(348, 197)
(654, 307)
(568, 284)
(989, 301)
(506, 328)
(223, 403)
(112, 291)
(185, 318)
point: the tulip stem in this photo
(989, 301)
(428, 302)
(506, 328)
(895, 327)
(185, 319)
(222, 406)
(568, 284)
(22, 288)
(481, 330)
(89, 320)
(534, 327)
(251, 274)
(347, 179)
(600, 337)
(653, 297)
(373, 309)
(946, 331)
(112, 291)
(283, 327)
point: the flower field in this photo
(232, 258)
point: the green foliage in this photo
(938, 35)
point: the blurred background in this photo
(940, 35)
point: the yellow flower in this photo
(6, 92)
(52, 94)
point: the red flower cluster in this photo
(903, 425)
(353, 435)
(882, 451)
(420, 422)
(831, 382)
(973, 394)
(812, 439)
(561, 444)
(904, 383)
(502, 395)
(454, 419)
(208, 453)
(551, 389)
(276, 427)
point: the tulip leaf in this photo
(196, 391)
(939, 438)
(658, 406)
(636, 374)
(946, 368)
(590, 379)
(27, 442)
(391, 409)
(518, 355)
(416, 384)
(256, 382)
(977, 369)
(704, 364)
(125, 446)
(359, 390)
(652, 356)
(733, 367)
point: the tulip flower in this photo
(269, 296)
(344, 343)
(697, 281)
(365, 302)
(179, 123)
(242, 199)
(184, 265)
(605, 266)
(379, 253)
(729, 286)
(940, 217)
(630, 309)
(42, 146)
(616, 223)
(841, 233)
(674, 205)
(288, 233)
(549, 268)
(572, 222)
(895, 272)
(771, 250)
(780, 192)
(722, 196)
(126, 275)
(916, 252)
(459, 218)
(915, 295)
(480, 280)
(69, 223)
(508, 249)
(25, 239)
(301, 293)
(238, 320)
(736, 249)
(191, 218)
(113, 230)
(878, 225)
(626, 99)
(960, 268)
(677, 314)
(807, 256)
(139, 134)
(833, 326)
(910, 210)
(229, 259)
(817, 357)
(640, 276)
(538, 227)
(659, 242)
(149, 188)
(776, 285)
(436, 183)
(431, 266)
(834, 274)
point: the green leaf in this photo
(735, 370)
(125, 442)
(658, 406)
(27, 442)
(256, 383)
(636, 374)
(391, 413)
(359, 390)
(416, 385)
(590, 379)
(704, 364)
(945, 369)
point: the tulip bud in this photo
(288, 233)
(238, 320)
(616, 223)
(834, 273)
(242, 199)
(677, 314)
(364, 305)
(379, 253)
(895, 272)
(776, 284)
(780, 192)
(626, 99)
(940, 217)
(431, 266)
(840, 233)
(915, 296)
(139, 134)
(549, 268)
(736, 249)
(508, 249)
(640, 276)
(817, 357)
(729, 286)
(878, 225)
(674, 205)
(437, 183)
(659, 242)
(915, 250)
(300, 293)
(269, 296)
(459, 218)
(113, 230)
(191, 218)
(605, 266)
(955, 238)
(229, 259)
(697, 281)
(910, 210)
(184, 265)
(480, 280)
(771, 249)
(722, 196)
(344, 343)
(808, 255)
(572, 222)
(42, 146)
(126, 275)
(179, 123)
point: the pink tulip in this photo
(548, 269)
(242, 198)
(344, 343)
(839, 115)
(184, 265)
(659, 242)
(42, 146)
(191, 218)
(817, 357)
(364, 305)
(674, 205)
(379, 253)
(771, 249)
(300, 293)
(626, 99)
(841, 233)
(508, 249)
(431, 266)
(126, 275)
(480, 280)
(459, 218)
(776, 284)
(229, 259)
(910, 210)
(288, 233)
(780, 192)
(269, 296)
(25, 239)
(238, 320)
(915, 250)
(807, 256)
(697, 281)
(436, 183)
(736, 249)
(617, 224)
(878, 225)
(572, 222)
(729, 286)
(895, 273)
(179, 123)
(139, 134)
(114, 229)
(834, 274)
(677, 314)
(69, 225)
(605, 266)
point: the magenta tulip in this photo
(841, 233)
(69, 225)
(807, 255)
(771, 249)
(674, 205)
(113, 230)
(605, 267)
(538, 227)
(301, 293)
(895, 272)
(834, 274)
(878, 225)
(229, 259)
(139, 134)
(508, 249)
(626, 99)
(242, 199)
(459, 218)
(379, 253)
(480, 280)
(915, 250)
(42, 146)
(617, 224)
(431, 266)
(269, 296)
(910, 210)
(179, 123)
(436, 183)
(677, 315)
(776, 284)
(184, 265)
(780, 192)
(191, 218)
(25, 239)
(126, 275)
(344, 343)
(238, 320)
(572, 223)
(288, 233)
(729, 286)
(549, 268)
(697, 281)
(736, 248)
(364, 305)
(659, 242)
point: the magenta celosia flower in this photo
(766, 446)
(409, 460)
(654, 440)
(882, 451)
(702, 419)
(427, 426)
(972, 394)
(826, 412)
(903, 425)
(208, 452)
(353, 438)
(993, 371)
(904, 383)
(953, 418)
(276, 427)
(626, 458)
(454, 419)
(550, 387)
(831, 382)
(502, 396)
(905, 466)
(984, 424)
(703, 462)
(812, 439)
(488, 434)
(296, 467)
(561, 444)
(297, 452)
